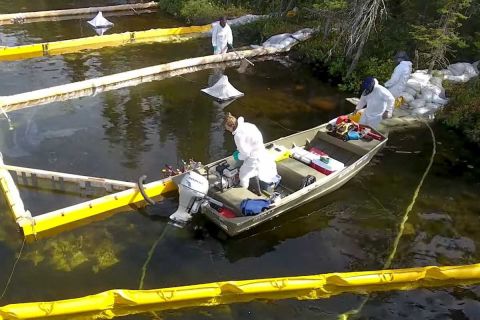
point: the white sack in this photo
(222, 90)
(99, 21)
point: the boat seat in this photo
(233, 197)
(293, 172)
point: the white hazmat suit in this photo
(399, 78)
(377, 102)
(256, 160)
(221, 37)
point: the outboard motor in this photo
(192, 192)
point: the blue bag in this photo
(252, 207)
(353, 135)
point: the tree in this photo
(331, 11)
(364, 16)
(438, 38)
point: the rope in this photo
(149, 257)
(388, 262)
(13, 269)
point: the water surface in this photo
(137, 130)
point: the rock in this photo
(324, 103)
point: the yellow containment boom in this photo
(57, 221)
(113, 303)
(12, 195)
(25, 17)
(65, 182)
(96, 42)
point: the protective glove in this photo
(229, 46)
(236, 154)
(214, 48)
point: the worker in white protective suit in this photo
(398, 81)
(250, 148)
(379, 102)
(222, 37)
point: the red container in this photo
(227, 213)
(320, 169)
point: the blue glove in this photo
(214, 49)
(236, 155)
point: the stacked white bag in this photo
(425, 93)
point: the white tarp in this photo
(222, 90)
(249, 18)
(100, 22)
(286, 40)
(101, 31)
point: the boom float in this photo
(113, 303)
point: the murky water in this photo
(133, 131)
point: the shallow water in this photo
(133, 131)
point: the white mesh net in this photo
(100, 22)
(222, 90)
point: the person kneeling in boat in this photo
(379, 102)
(257, 162)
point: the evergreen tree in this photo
(438, 38)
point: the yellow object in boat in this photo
(280, 152)
(355, 117)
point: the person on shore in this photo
(398, 81)
(378, 100)
(251, 150)
(222, 37)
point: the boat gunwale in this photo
(233, 227)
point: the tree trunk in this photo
(326, 29)
(354, 63)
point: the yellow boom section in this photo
(109, 304)
(53, 222)
(73, 45)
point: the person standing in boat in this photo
(378, 100)
(251, 150)
(222, 37)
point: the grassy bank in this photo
(463, 110)
(200, 11)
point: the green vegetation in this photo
(356, 39)
(200, 11)
(463, 109)
(69, 252)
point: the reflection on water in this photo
(133, 131)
